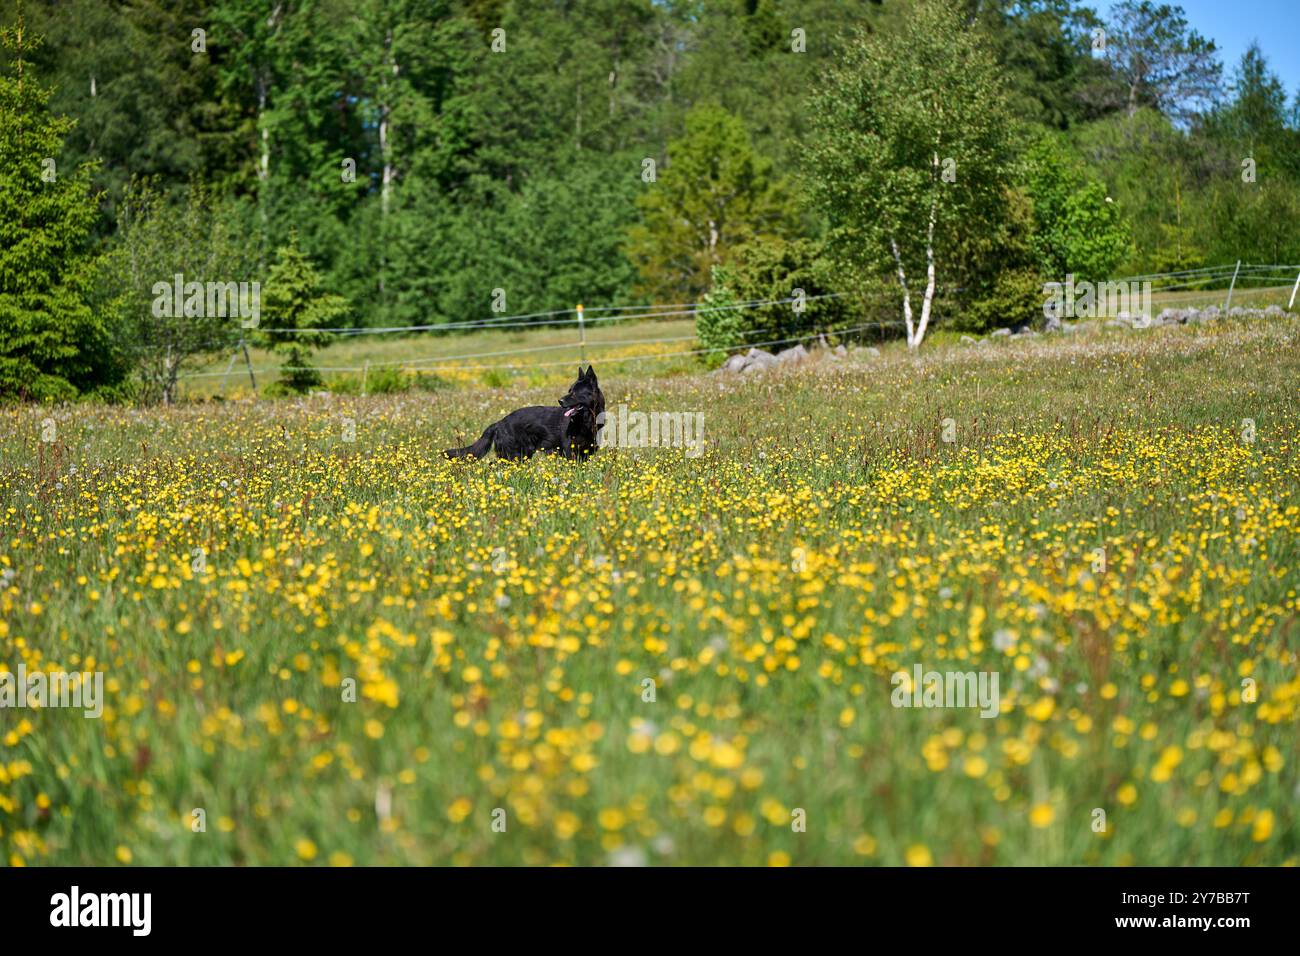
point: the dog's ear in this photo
(591, 374)
(581, 374)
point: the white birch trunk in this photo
(907, 298)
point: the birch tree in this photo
(912, 148)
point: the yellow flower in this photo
(123, 855)
(1042, 815)
(611, 818)
(305, 848)
(865, 845)
(1263, 826)
(919, 855)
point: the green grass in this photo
(501, 622)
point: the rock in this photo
(821, 341)
(1273, 311)
(1053, 323)
(1236, 312)
(756, 360)
(734, 363)
(840, 351)
(999, 333)
(1210, 313)
(796, 354)
(872, 351)
(1115, 323)
(967, 340)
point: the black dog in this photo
(569, 429)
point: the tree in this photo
(1078, 228)
(1044, 47)
(1254, 120)
(793, 277)
(713, 193)
(295, 308)
(912, 144)
(51, 344)
(1160, 61)
(200, 239)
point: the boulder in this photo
(734, 363)
(796, 354)
(999, 333)
(756, 360)
(967, 340)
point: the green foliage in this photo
(52, 346)
(912, 151)
(1158, 61)
(772, 271)
(719, 325)
(293, 306)
(713, 194)
(1078, 228)
(421, 170)
(199, 238)
(1016, 299)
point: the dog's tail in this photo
(476, 450)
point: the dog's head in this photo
(584, 393)
(580, 421)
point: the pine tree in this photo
(714, 193)
(45, 260)
(294, 307)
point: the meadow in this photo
(343, 649)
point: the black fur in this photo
(569, 429)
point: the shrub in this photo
(770, 271)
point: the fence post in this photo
(1294, 288)
(365, 374)
(249, 362)
(233, 355)
(582, 336)
(1228, 304)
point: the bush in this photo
(1016, 298)
(770, 271)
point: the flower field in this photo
(321, 643)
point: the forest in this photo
(393, 163)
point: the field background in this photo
(500, 621)
(640, 347)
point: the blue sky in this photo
(1232, 24)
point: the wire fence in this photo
(1199, 279)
